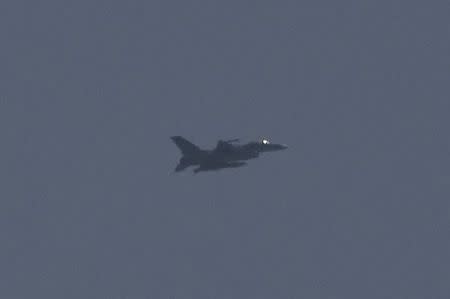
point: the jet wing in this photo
(216, 165)
(225, 146)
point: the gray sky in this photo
(358, 207)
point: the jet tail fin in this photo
(187, 148)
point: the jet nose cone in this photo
(277, 147)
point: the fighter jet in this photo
(226, 154)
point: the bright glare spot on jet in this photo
(265, 141)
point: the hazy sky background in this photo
(357, 207)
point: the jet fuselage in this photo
(225, 155)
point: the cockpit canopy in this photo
(265, 141)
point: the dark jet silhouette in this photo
(226, 154)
